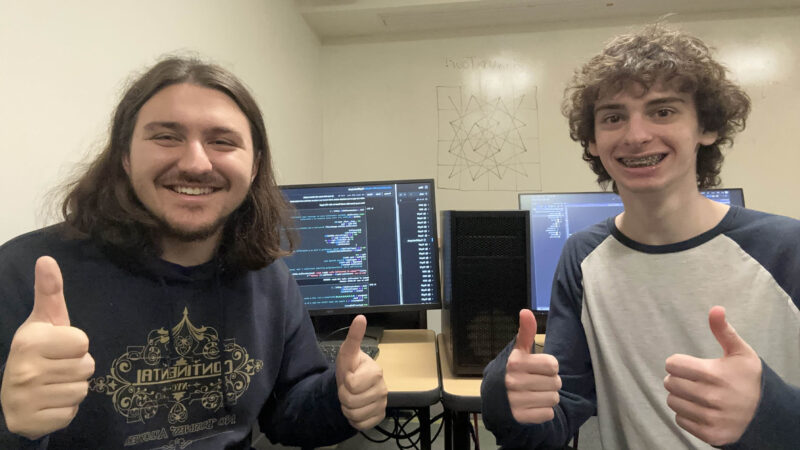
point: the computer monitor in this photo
(366, 247)
(555, 216)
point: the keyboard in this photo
(330, 348)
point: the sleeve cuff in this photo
(775, 422)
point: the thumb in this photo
(527, 331)
(351, 347)
(49, 305)
(726, 335)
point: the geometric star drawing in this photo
(488, 143)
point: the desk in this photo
(460, 397)
(408, 360)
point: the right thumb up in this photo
(527, 331)
(45, 377)
(532, 380)
(49, 305)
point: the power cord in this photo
(405, 439)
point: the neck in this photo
(657, 219)
(191, 253)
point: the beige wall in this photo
(383, 120)
(63, 65)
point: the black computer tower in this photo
(486, 281)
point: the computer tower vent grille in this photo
(486, 283)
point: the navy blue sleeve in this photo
(566, 341)
(778, 253)
(305, 397)
(776, 423)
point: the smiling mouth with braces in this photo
(645, 161)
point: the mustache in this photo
(209, 178)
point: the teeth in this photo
(642, 162)
(193, 190)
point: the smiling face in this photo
(191, 161)
(648, 141)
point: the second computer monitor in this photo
(366, 247)
(556, 216)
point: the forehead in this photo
(193, 105)
(633, 92)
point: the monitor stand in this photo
(330, 326)
(541, 321)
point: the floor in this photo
(588, 437)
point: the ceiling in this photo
(352, 20)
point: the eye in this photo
(610, 118)
(165, 139)
(663, 113)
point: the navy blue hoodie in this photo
(185, 357)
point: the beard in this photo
(182, 234)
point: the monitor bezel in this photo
(385, 308)
(520, 194)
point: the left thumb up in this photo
(350, 352)
(728, 338)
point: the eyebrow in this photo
(663, 100)
(223, 130)
(151, 126)
(176, 126)
(651, 103)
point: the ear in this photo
(126, 163)
(256, 162)
(708, 137)
(593, 149)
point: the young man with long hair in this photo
(158, 313)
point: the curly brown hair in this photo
(657, 54)
(101, 203)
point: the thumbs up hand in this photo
(362, 391)
(715, 399)
(532, 380)
(48, 364)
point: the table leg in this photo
(424, 415)
(461, 435)
(448, 430)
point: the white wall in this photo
(382, 120)
(63, 65)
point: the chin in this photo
(191, 233)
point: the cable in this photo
(405, 438)
(441, 425)
(411, 443)
(475, 427)
(472, 433)
(338, 330)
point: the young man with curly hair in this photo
(159, 313)
(641, 325)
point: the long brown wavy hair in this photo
(657, 54)
(102, 205)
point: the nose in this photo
(194, 158)
(638, 132)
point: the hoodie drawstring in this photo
(220, 341)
